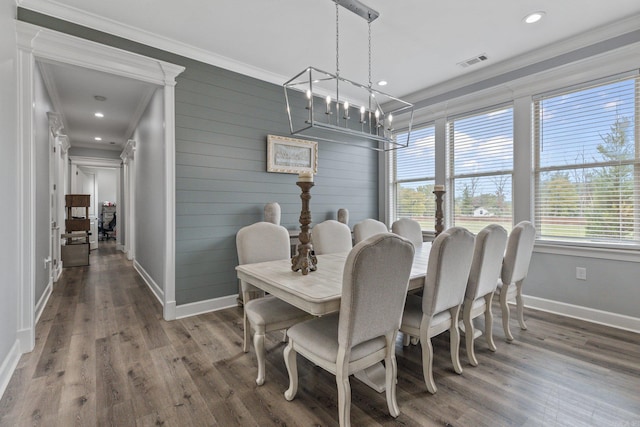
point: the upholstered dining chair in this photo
(367, 228)
(260, 242)
(331, 236)
(272, 213)
(442, 296)
(343, 216)
(410, 229)
(515, 267)
(481, 285)
(363, 333)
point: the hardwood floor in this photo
(104, 356)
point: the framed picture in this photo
(290, 155)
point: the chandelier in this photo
(326, 106)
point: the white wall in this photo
(149, 204)
(43, 105)
(9, 260)
(107, 180)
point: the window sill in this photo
(628, 254)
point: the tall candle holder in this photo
(304, 259)
(439, 192)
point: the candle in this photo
(308, 99)
(305, 176)
(346, 110)
(362, 114)
(390, 120)
(438, 187)
(377, 114)
(328, 104)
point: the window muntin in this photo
(587, 170)
(481, 168)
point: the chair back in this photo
(487, 261)
(409, 229)
(343, 216)
(367, 228)
(517, 257)
(448, 270)
(374, 288)
(331, 236)
(260, 242)
(272, 213)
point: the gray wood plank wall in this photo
(222, 122)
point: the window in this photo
(587, 173)
(413, 178)
(481, 168)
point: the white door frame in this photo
(128, 175)
(39, 43)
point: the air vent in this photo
(473, 61)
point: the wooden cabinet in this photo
(77, 225)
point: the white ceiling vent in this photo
(472, 61)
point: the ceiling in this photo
(416, 44)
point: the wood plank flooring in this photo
(105, 357)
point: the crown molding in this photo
(52, 90)
(96, 22)
(139, 111)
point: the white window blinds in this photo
(587, 173)
(481, 162)
(413, 178)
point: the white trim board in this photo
(201, 307)
(587, 314)
(9, 366)
(153, 286)
(42, 303)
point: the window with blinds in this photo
(481, 168)
(413, 178)
(587, 172)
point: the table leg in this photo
(373, 376)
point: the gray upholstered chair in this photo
(483, 278)
(410, 229)
(260, 242)
(343, 216)
(363, 333)
(439, 307)
(272, 213)
(515, 267)
(367, 228)
(331, 236)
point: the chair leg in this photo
(391, 371)
(290, 360)
(406, 339)
(427, 362)
(488, 321)
(245, 322)
(454, 343)
(258, 344)
(520, 306)
(505, 311)
(344, 397)
(469, 333)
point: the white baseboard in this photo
(200, 307)
(169, 312)
(120, 247)
(9, 366)
(155, 289)
(43, 302)
(592, 315)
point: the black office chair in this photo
(109, 230)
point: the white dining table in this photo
(319, 292)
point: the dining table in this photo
(320, 291)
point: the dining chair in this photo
(438, 309)
(363, 333)
(272, 213)
(343, 216)
(331, 236)
(367, 228)
(260, 242)
(410, 229)
(481, 285)
(515, 267)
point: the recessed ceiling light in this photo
(99, 114)
(382, 83)
(99, 98)
(97, 138)
(533, 17)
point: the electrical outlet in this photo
(581, 273)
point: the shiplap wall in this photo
(222, 123)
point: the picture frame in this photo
(291, 155)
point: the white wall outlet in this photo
(581, 273)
